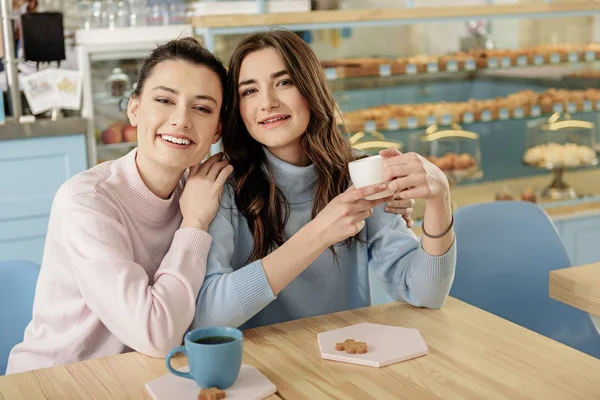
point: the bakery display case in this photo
(558, 144)
(462, 61)
(525, 71)
(461, 85)
(519, 105)
(452, 149)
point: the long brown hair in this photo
(257, 196)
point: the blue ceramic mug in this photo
(214, 356)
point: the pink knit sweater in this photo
(117, 274)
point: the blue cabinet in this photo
(581, 236)
(31, 171)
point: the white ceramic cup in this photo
(369, 171)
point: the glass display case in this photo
(372, 142)
(398, 68)
(111, 86)
(453, 150)
(558, 144)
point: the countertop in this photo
(585, 182)
(12, 129)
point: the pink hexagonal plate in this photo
(387, 344)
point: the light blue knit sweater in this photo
(238, 294)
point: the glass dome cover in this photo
(453, 150)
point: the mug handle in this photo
(178, 349)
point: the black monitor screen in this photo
(43, 37)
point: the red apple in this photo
(113, 134)
(130, 133)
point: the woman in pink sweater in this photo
(126, 247)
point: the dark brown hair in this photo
(257, 196)
(185, 49)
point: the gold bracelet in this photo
(441, 234)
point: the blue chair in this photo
(18, 279)
(505, 252)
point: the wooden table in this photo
(111, 378)
(578, 287)
(473, 354)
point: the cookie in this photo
(212, 393)
(351, 346)
(361, 348)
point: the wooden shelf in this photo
(385, 70)
(465, 119)
(399, 15)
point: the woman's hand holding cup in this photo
(411, 176)
(345, 215)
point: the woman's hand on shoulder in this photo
(199, 201)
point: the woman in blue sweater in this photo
(293, 238)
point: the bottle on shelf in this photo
(118, 83)
(176, 12)
(137, 13)
(90, 13)
(158, 12)
(50, 5)
(115, 14)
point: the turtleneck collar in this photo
(297, 183)
(142, 199)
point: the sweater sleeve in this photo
(229, 297)
(150, 315)
(406, 271)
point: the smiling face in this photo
(177, 114)
(273, 110)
